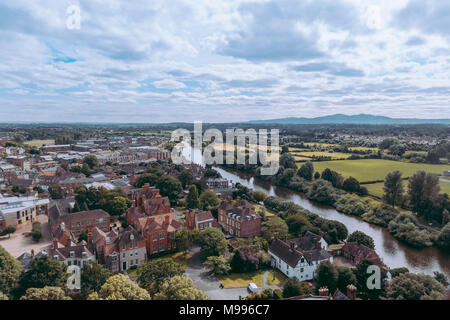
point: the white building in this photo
(18, 211)
(299, 257)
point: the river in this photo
(393, 253)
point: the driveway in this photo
(18, 243)
(207, 282)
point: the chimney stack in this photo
(32, 253)
(167, 219)
(323, 292)
(158, 199)
(55, 243)
(351, 292)
(291, 243)
(318, 245)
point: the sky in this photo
(222, 61)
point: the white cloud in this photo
(223, 60)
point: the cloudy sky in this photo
(219, 61)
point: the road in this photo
(207, 282)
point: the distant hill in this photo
(354, 119)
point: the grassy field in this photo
(376, 169)
(241, 280)
(40, 143)
(332, 155)
(376, 189)
(363, 149)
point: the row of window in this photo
(89, 222)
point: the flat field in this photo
(376, 169)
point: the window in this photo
(155, 248)
(302, 269)
(161, 235)
(155, 236)
(161, 247)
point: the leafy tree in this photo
(149, 178)
(361, 238)
(306, 170)
(292, 287)
(185, 239)
(155, 272)
(91, 160)
(117, 205)
(298, 224)
(410, 286)
(209, 199)
(46, 293)
(405, 228)
(211, 173)
(441, 278)
(398, 271)
(361, 279)
(3, 296)
(288, 161)
(170, 187)
(244, 260)
(180, 288)
(351, 185)
(7, 231)
(266, 294)
(10, 271)
(380, 215)
(272, 226)
(55, 191)
(345, 277)
(36, 231)
(192, 201)
(186, 178)
(118, 287)
(393, 188)
(444, 237)
(422, 189)
(219, 265)
(212, 242)
(93, 276)
(44, 271)
(259, 196)
(322, 192)
(332, 176)
(327, 276)
(351, 204)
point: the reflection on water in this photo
(393, 253)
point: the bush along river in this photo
(393, 253)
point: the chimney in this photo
(167, 219)
(145, 187)
(275, 235)
(323, 292)
(291, 243)
(351, 292)
(134, 203)
(158, 199)
(32, 253)
(55, 243)
(318, 245)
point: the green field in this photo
(40, 143)
(376, 169)
(376, 189)
(332, 155)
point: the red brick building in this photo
(239, 219)
(153, 217)
(200, 220)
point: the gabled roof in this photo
(283, 251)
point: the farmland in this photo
(332, 155)
(376, 169)
(40, 143)
(376, 189)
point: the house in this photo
(119, 251)
(200, 220)
(239, 219)
(78, 222)
(355, 253)
(291, 259)
(159, 232)
(75, 254)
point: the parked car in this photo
(252, 288)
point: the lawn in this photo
(376, 169)
(39, 143)
(241, 280)
(332, 155)
(376, 189)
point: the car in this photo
(252, 288)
